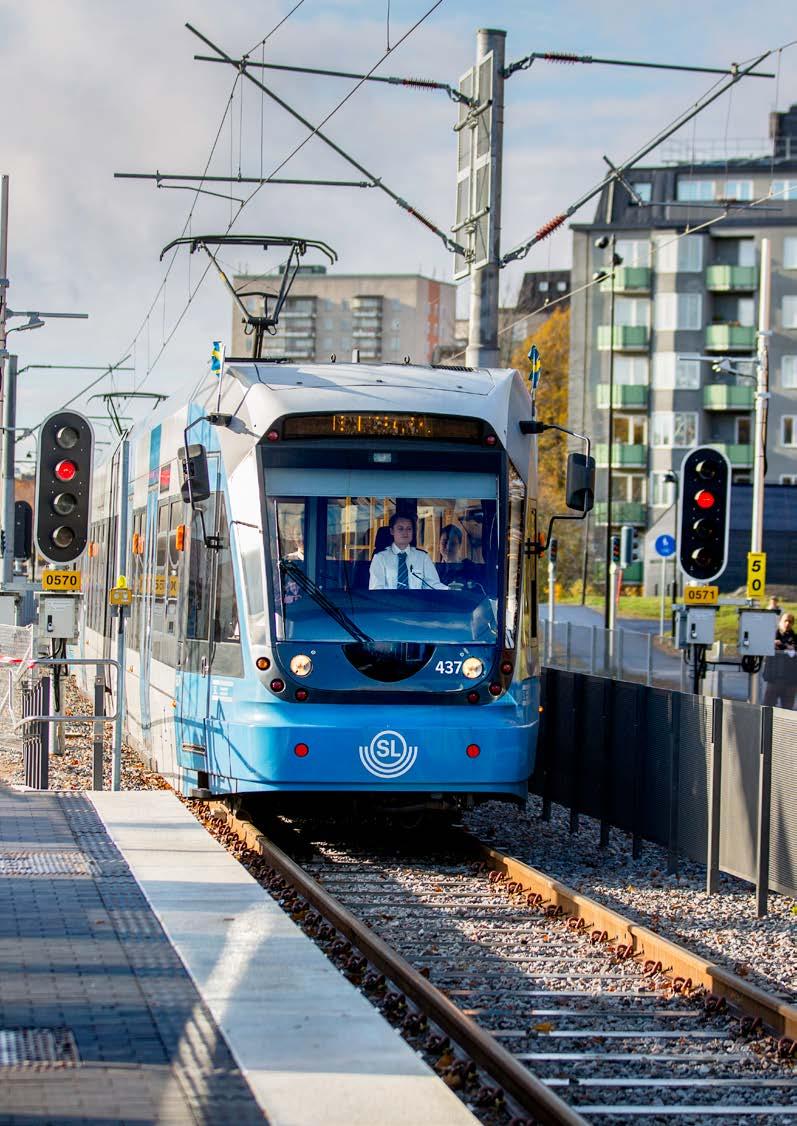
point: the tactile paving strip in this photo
(81, 953)
(37, 1045)
(25, 862)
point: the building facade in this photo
(674, 332)
(387, 317)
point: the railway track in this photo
(534, 1003)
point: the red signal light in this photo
(705, 499)
(65, 470)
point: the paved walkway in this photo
(99, 1021)
(146, 977)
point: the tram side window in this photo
(137, 578)
(226, 627)
(159, 600)
(200, 570)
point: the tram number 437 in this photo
(448, 668)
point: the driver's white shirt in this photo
(421, 571)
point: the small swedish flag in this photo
(534, 358)
(217, 358)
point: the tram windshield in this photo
(435, 564)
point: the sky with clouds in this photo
(94, 87)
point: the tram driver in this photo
(401, 566)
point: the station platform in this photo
(145, 977)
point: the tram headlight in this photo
(301, 665)
(472, 668)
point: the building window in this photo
(674, 428)
(738, 189)
(634, 252)
(628, 487)
(631, 311)
(631, 371)
(695, 191)
(788, 431)
(790, 253)
(678, 312)
(788, 372)
(673, 372)
(561, 286)
(784, 189)
(630, 430)
(644, 189)
(790, 311)
(542, 287)
(788, 479)
(662, 492)
(678, 254)
(743, 431)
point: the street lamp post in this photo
(615, 259)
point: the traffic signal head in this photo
(616, 549)
(704, 514)
(630, 550)
(63, 486)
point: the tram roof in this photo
(400, 377)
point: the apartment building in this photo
(679, 349)
(385, 316)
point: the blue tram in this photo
(334, 588)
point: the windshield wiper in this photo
(305, 583)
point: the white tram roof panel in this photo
(399, 377)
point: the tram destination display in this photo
(372, 425)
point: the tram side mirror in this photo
(196, 480)
(580, 482)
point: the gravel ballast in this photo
(722, 927)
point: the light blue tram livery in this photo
(273, 644)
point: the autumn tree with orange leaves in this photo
(553, 343)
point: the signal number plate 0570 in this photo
(701, 595)
(62, 581)
(448, 668)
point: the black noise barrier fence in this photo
(708, 779)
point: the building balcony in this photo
(366, 333)
(628, 279)
(625, 396)
(627, 338)
(624, 455)
(740, 456)
(728, 397)
(730, 338)
(731, 279)
(623, 512)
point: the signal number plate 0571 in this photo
(62, 581)
(448, 668)
(701, 595)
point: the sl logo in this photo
(387, 755)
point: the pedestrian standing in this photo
(780, 671)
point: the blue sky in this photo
(96, 86)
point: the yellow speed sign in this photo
(65, 582)
(701, 595)
(756, 573)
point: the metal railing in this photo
(639, 658)
(37, 718)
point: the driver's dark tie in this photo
(403, 580)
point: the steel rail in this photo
(515, 1079)
(676, 961)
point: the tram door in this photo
(200, 746)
